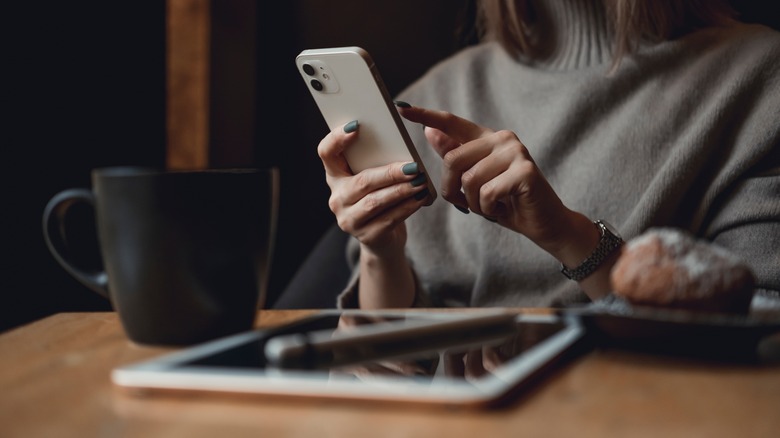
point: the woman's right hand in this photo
(373, 204)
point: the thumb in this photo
(441, 142)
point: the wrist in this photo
(386, 280)
(577, 238)
(381, 253)
(599, 259)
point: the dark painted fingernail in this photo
(410, 169)
(461, 209)
(418, 180)
(351, 126)
(421, 195)
(401, 104)
(491, 219)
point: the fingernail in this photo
(401, 104)
(351, 126)
(410, 169)
(461, 209)
(421, 195)
(491, 219)
(418, 180)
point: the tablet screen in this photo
(494, 352)
(461, 368)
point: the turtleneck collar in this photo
(572, 34)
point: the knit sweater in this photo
(684, 134)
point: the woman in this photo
(570, 115)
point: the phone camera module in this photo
(319, 76)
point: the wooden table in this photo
(54, 381)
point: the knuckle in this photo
(511, 141)
(323, 152)
(361, 182)
(399, 191)
(370, 203)
(487, 191)
(326, 148)
(467, 179)
(334, 203)
(506, 136)
(345, 224)
(393, 173)
(520, 150)
(526, 168)
(450, 159)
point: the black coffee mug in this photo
(186, 253)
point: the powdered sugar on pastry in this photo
(668, 267)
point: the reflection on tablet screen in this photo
(477, 362)
(457, 362)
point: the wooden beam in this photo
(188, 36)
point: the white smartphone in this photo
(347, 86)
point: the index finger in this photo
(460, 129)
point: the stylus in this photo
(328, 348)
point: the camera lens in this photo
(317, 85)
(308, 69)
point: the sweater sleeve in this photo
(348, 298)
(745, 218)
(747, 223)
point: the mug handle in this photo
(54, 234)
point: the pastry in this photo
(669, 268)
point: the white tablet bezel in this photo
(163, 373)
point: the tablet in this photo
(470, 359)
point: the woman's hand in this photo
(492, 174)
(372, 205)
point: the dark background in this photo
(84, 87)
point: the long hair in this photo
(510, 22)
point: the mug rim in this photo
(133, 171)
